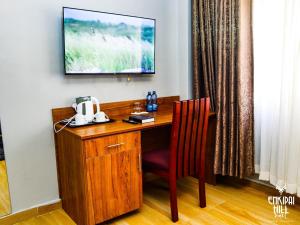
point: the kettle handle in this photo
(74, 106)
(95, 101)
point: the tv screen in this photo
(106, 43)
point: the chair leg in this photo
(173, 199)
(202, 197)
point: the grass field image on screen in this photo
(99, 43)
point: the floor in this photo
(4, 193)
(226, 204)
(56, 217)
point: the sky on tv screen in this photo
(107, 43)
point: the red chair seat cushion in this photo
(156, 159)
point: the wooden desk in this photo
(99, 166)
(162, 117)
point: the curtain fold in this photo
(222, 70)
(204, 49)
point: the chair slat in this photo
(199, 134)
(194, 138)
(187, 148)
(188, 135)
(203, 140)
(175, 137)
(190, 119)
(183, 121)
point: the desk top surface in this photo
(162, 117)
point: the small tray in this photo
(73, 125)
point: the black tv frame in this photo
(84, 74)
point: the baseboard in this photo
(29, 213)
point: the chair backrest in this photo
(188, 137)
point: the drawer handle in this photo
(115, 145)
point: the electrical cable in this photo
(68, 122)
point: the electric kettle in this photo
(84, 107)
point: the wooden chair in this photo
(186, 154)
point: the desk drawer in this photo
(112, 144)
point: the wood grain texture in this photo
(189, 130)
(189, 117)
(100, 178)
(112, 144)
(56, 217)
(30, 213)
(72, 178)
(112, 108)
(162, 117)
(254, 182)
(5, 206)
(210, 177)
(114, 175)
(227, 203)
(181, 137)
(194, 137)
(77, 152)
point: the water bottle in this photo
(154, 101)
(149, 106)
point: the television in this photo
(107, 43)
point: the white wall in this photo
(32, 81)
(184, 48)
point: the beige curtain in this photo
(223, 70)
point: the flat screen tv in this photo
(107, 43)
